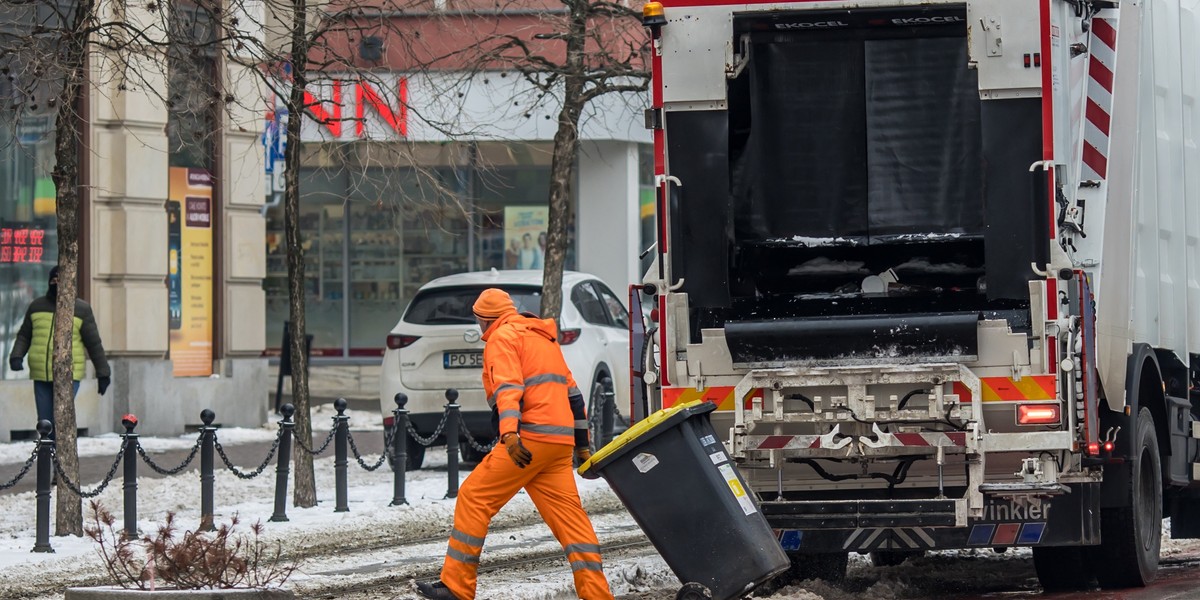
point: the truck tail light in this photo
(1038, 414)
(567, 337)
(396, 342)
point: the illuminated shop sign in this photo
(21, 244)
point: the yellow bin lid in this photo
(632, 434)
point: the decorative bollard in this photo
(452, 409)
(286, 425)
(399, 449)
(341, 458)
(208, 438)
(45, 468)
(130, 421)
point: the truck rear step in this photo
(854, 514)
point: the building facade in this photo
(171, 238)
(412, 188)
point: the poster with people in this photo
(525, 236)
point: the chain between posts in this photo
(471, 439)
(387, 454)
(437, 432)
(71, 485)
(24, 470)
(239, 473)
(324, 446)
(177, 470)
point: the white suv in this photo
(436, 346)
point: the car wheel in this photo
(416, 455)
(469, 454)
(600, 411)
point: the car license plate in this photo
(467, 359)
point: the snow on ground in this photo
(309, 532)
(107, 444)
(325, 540)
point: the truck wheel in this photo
(892, 558)
(1131, 536)
(1062, 568)
(828, 566)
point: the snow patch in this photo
(823, 266)
(922, 265)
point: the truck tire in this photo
(1131, 536)
(829, 566)
(893, 558)
(1063, 568)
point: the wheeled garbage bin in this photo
(675, 478)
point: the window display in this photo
(373, 236)
(28, 234)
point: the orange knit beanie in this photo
(493, 304)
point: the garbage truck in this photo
(938, 265)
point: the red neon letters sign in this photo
(21, 244)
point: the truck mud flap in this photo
(850, 339)
(1066, 520)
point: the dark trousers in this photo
(43, 394)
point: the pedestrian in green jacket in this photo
(36, 337)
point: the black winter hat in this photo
(53, 273)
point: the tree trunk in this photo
(305, 492)
(562, 162)
(69, 508)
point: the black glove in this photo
(16, 364)
(103, 383)
(516, 450)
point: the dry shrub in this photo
(221, 559)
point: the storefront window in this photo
(322, 229)
(512, 216)
(28, 235)
(405, 229)
(393, 229)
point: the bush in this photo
(221, 559)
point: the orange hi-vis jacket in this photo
(528, 384)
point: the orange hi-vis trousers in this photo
(550, 482)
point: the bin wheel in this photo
(693, 591)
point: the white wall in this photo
(607, 218)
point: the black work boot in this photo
(436, 590)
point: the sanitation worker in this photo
(540, 415)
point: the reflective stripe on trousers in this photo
(550, 483)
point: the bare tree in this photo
(309, 43)
(585, 50)
(54, 53)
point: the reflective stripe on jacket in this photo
(527, 380)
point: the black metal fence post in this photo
(399, 449)
(44, 470)
(207, 468)
(452, 417)
(341, 458)
(286, 425)
(130, 421)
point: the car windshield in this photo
(452, 306)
